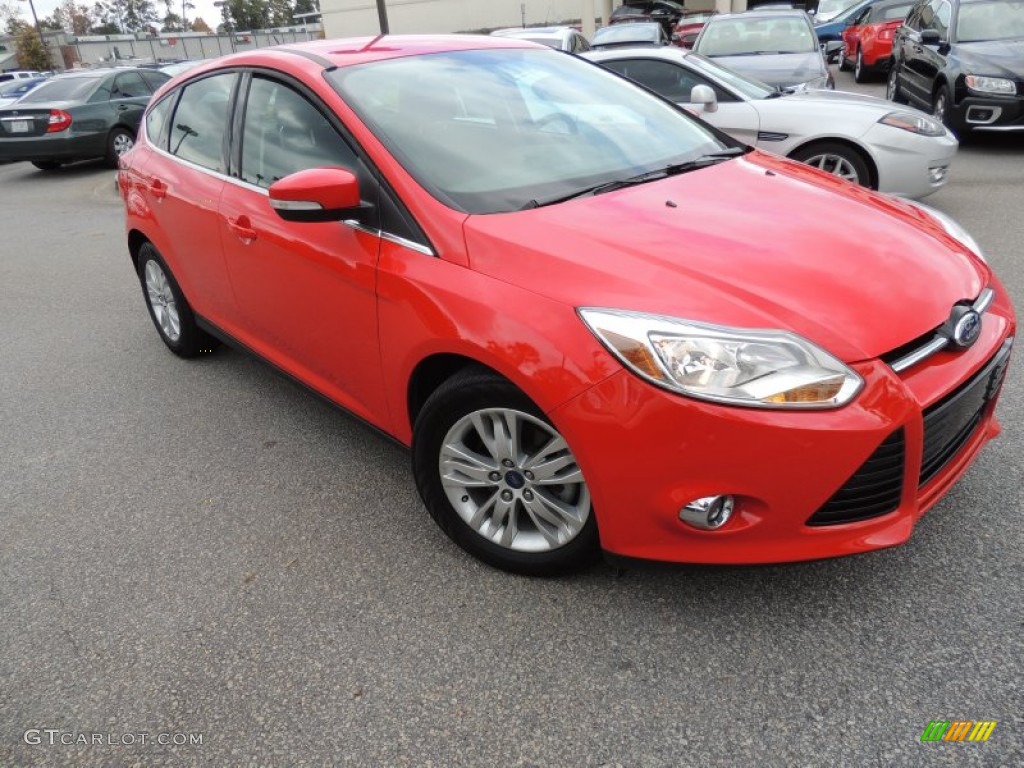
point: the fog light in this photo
(937, 174)
(708, 513)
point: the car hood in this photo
(756, 242)
(1001, 58)
(779, 69)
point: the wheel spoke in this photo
(548, 470)
(558, 507)
(505, 515)
(465, 468)
(548, 523)
(478, 518)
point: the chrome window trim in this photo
(412, 245)
(939, 342)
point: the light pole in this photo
(227, 24)
(382, 14)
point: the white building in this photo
(347, 18)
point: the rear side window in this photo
(158, 119)
(284, 133)
(130, 85)
(201, 122)
(155, 79)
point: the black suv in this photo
(963, 60)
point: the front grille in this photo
(949, 423)
(875, 489)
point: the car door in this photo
(676, 82)
(306, 292)
(182, 180)
(129, 95)
(921, 61)
(852, 34)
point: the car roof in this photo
(767, 13)
(347, 52)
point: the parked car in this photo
(689, 27)
(19, 74)
(867, 42)
(598, 322)
(831, 30)
(667, 13)
(963, 60)
(830, 9)
(180, 66)
(859, 138)
(630, 36)
(15, 89)
(77, 116)
(565, 39)
(777, 47)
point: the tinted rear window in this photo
(62, 90)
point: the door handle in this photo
(243, 228)
(158, 189)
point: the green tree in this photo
(73, 18)
(247, 14)
(31, 52)
(279, 13)
(198, 25)
(139, 15)
(105, 18)
(305, 6)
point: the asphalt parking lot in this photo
(203, 549)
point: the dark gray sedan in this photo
(777, 47)
(78, 116)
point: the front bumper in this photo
(646, 453)
(910, 165)
(990, 113)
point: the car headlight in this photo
(756, 368)
(998, 85)
(951, 228)
(915, 123)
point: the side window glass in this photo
(672, 82)
(914, 17)
(941, 21)
(158, 120)
(201, 121)
(129, 85)
(155, 79)
(284, 133)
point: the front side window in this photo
(284, 133)
(130, 85)
(487, 131)
(666, 79)
(201, 121)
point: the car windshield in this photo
(990, 20)
(749, 87)
(627, 33)
(62, 89)
(758, 35)
(490, 131)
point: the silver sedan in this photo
(865, 140)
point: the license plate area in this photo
(19, 126)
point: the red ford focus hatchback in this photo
(598, 323)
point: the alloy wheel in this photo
(939, 106)
(512, 478)
(835, 164)
(161, 300)
(122, 143)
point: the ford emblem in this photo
(966, 326)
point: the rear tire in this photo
(892, 89)
(500, 480)
(46, 165)
(860, 72)
(170, 312)
(119, 141)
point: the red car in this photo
(598, 323)
(689, 26)
(867, 42)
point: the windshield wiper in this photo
(673, 169)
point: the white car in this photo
(560, 38)
(868, 141)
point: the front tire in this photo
(119, 142)
(837, 159)
(500, 480)
(170, 312)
